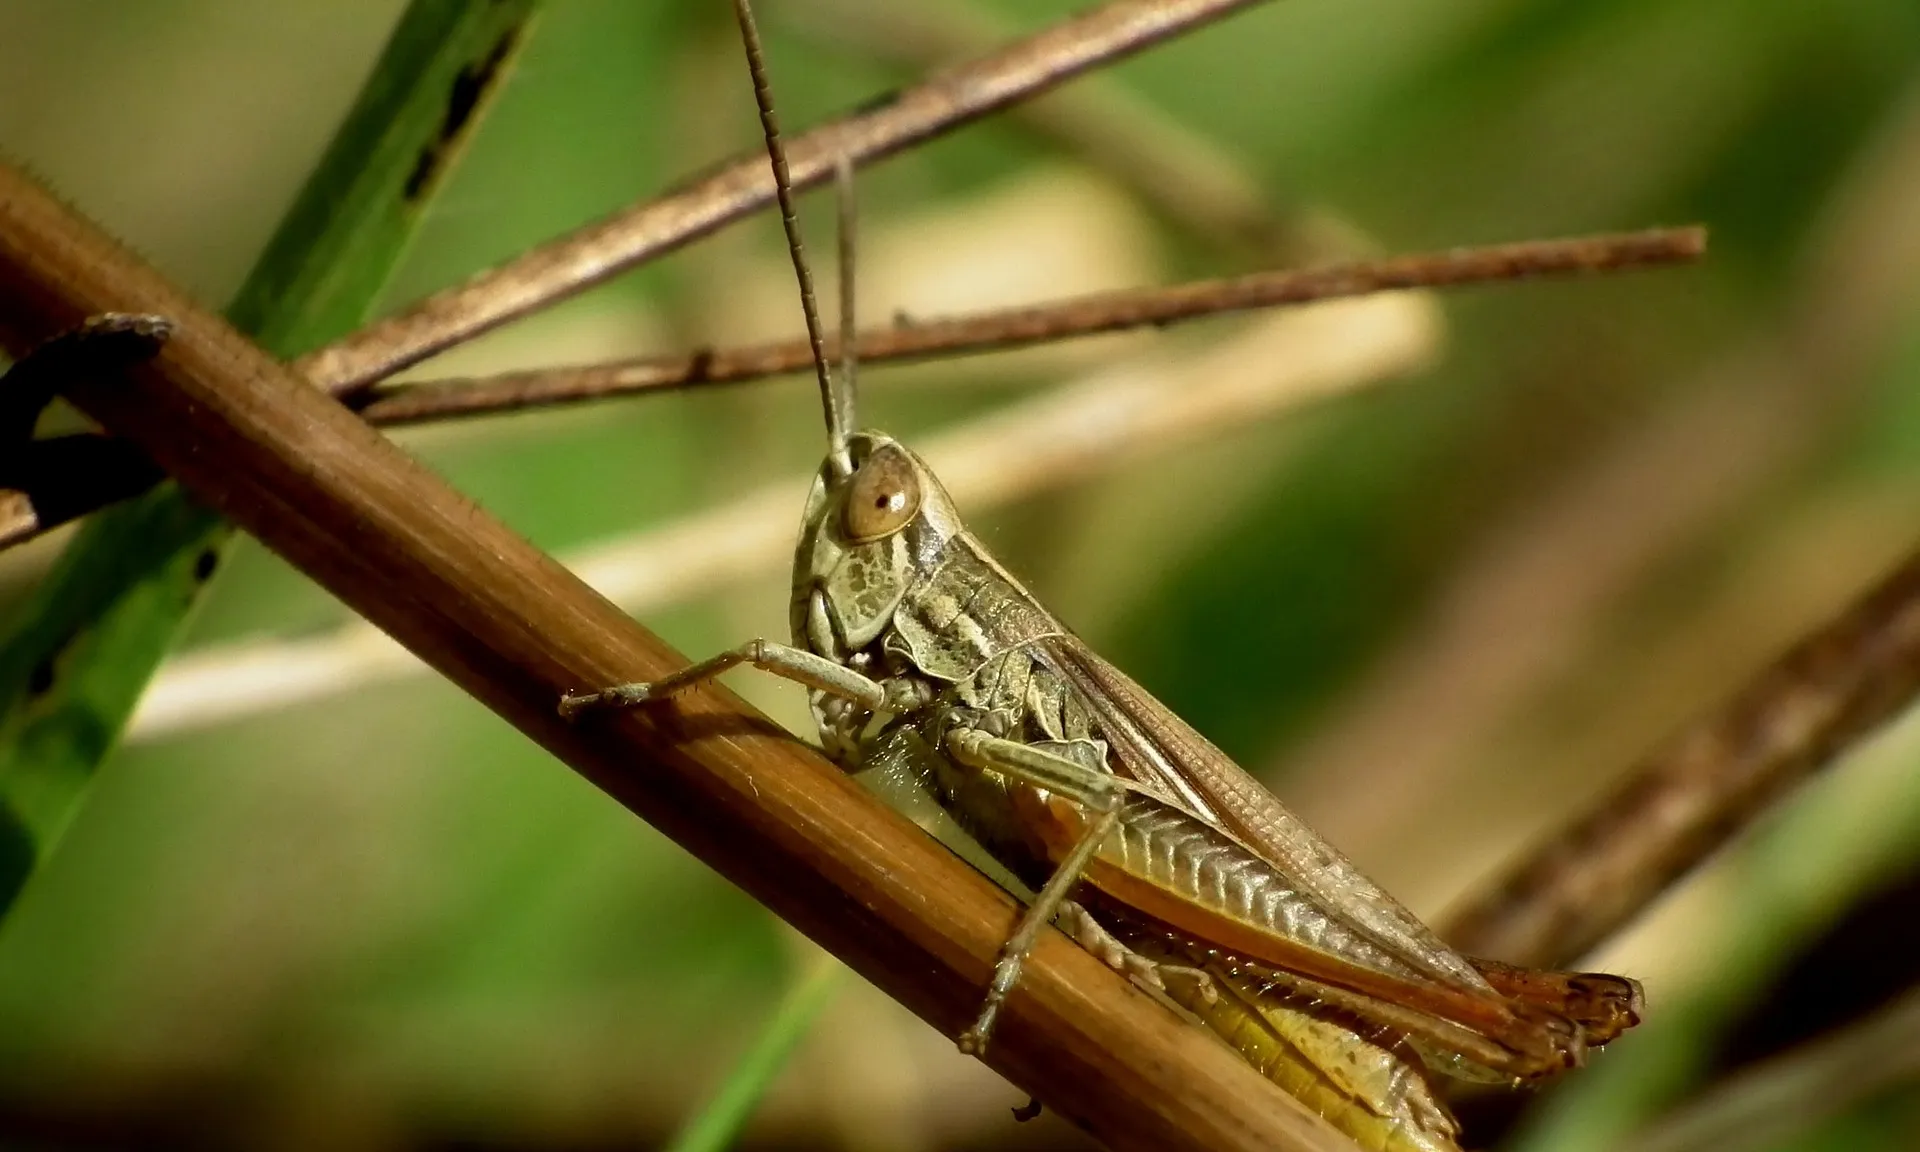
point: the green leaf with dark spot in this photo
(75, 666)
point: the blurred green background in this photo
(1437, 608)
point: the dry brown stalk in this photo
(1006, 328)
(1834, 687)
(1692, 794)
(1058, 437)
(513, 628)
(30, 503)
(1191, 180)
(114, 473)
(942, 102)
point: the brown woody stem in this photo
(1694, 793)
(573, 263)
(509, 625)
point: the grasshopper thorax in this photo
(865, 538)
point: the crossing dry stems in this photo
(514, 629)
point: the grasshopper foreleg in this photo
(787, 662)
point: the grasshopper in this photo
(927, 661)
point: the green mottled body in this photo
(930, 664)
(931, 614)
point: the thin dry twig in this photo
(945, 101)
(1056, 438)
(1784, 388)
(572, 263)
(1695, 792)
(46, 483)
(117, 472)
(510, 626)
(1190, 179)
(1422, 724)
(1007, 328)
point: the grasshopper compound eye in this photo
(883, 498)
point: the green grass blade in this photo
(75, 666)
(714, 1127)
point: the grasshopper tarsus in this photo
(973, 1042)
(572, 704)
(1006, 973)
(1204, 985)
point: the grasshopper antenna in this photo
(839, 407)
(849, 349)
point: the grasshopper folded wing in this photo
(1211, 856)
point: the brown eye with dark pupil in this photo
(885, 496)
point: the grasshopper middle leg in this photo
(1099, 792)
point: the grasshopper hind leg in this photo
(1090, 934)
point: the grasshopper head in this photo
(865, 537)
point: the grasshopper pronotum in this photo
(928, 661)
